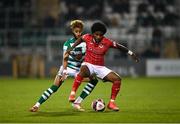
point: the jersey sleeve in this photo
(83, 48)
(66, 46)
(112, 43)
(86, 37)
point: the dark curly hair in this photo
(98, 26)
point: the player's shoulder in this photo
(69, 41)
(108, 41)
(87, 36)
(105, 39)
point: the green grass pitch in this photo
(140, 100)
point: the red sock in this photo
(77, 82)
(115, 89)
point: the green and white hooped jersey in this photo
(78, 50)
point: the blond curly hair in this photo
(76, 23)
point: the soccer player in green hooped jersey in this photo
(70, 67)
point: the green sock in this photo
(88, 88)
(47, 93)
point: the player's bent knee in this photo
(117, 79)
(58, 83)
(117, 83)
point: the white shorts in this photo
(99, 71)
(70, 72)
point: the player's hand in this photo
(134, 56)
(68, 51)
(64, 75)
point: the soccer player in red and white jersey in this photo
(97, 46)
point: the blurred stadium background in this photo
(32, 33)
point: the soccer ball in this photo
(98, 105)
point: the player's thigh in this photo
(112, 76)
(57, 80)
(72, 72)
(60, 71)
(84, 71)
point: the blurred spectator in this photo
(159, 17)
(12, 38)
(8, 3)
(171, 17)
(95, 12)
(151, 52)
(146, 19)
(120, 6)
(155, 48)
(125, 18)
(142, 7)
(16, 19)
(84, 9)
(156, 41)
(2, 19)
(156, 38)
(170, 2)
(159, 6)
(49, 21)
(170, 49)
(72, 11)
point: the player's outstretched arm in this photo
(134, 56)
(77, 42)
(126, 50)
